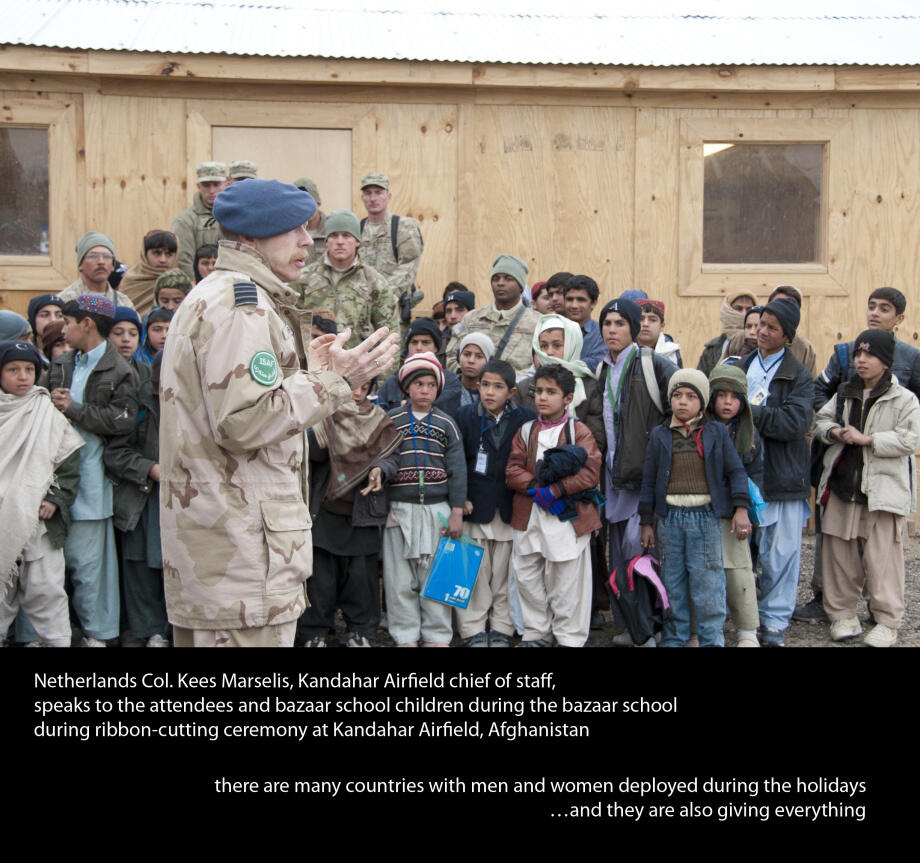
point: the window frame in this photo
(698, 279)
(66, 180)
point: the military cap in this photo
(242, 169)
(308, 185)
(211, 172)
(375, 178)
(263, 208)
(344, 221)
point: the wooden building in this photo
(663, 177)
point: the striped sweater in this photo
(436, 449)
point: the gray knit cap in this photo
(89, 240)
(345, 221)
(511, 266)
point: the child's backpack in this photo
(641, 597)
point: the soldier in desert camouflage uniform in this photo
(346, 289)
(196, 226)
(397, 261)
(235, 401)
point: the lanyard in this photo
(483, 428)
(773, 365)
(419, 470)
(615, 399)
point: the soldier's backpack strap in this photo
(394, 229)
(245, 294)
(499, 349)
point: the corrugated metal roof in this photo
(575, 32)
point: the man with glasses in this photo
(95, 260)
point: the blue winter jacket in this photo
(725, 473)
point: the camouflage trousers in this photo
(280, 635)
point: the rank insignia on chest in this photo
(263, 367)
(245, 294)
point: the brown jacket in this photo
(519, 475)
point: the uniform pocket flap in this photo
(281, 515)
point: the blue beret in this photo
(263, 208)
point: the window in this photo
(754, 209)
(24, 180)
(762, 203)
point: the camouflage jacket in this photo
(234, 404)
(494, 323)
(75, 289)
(361, 299)
(193, 228)
(377, 250)
(318, 249)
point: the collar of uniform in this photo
(498, 314)
(245, 259)
(351, 267)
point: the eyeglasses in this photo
(98, 256)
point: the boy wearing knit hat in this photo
(171, 289)
(39, 473)
(96, 389)
(780, 392)
(430, 481)
(506, 321)
(868, 486)
(728, 405)
(693, 477)
(475, 350)
(44, 309)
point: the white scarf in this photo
(34, 439)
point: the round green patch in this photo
(264, 368)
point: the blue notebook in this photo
(453, 572)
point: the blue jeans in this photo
(690, 540)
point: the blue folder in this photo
(453, 571)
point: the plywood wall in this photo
(589, 187)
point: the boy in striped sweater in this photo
(430, 481)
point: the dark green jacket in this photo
(129, 457)
(110, 398)
(62, 493)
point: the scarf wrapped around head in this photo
(571, 357)
(733, 320)
(357, 439)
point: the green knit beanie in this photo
(511, 266)
(345, 221)
(89, 240)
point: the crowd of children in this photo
(561, 473)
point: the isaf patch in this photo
(245, 294)
(263, 367)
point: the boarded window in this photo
(323, 155)
(762, 203)
(24, 199)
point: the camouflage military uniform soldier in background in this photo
(241, 169)
(196, 226)
(317, 224)
(235, 401)
(342, 286)
(394, 254)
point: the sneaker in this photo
(40, 643)
(536, 642)
(499, 639)
(353, 639)
(622, 639)
(881, 636)
(693, 641)
(747, 641)
(89, 641)
(480, 639)
(770, 636)
(316, 641)
(811, 612)
(844, 629)
(157, 641)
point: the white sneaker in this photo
(622, 639)
(157, 641)
(89, 641)
(881, 636)
(844, 629)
